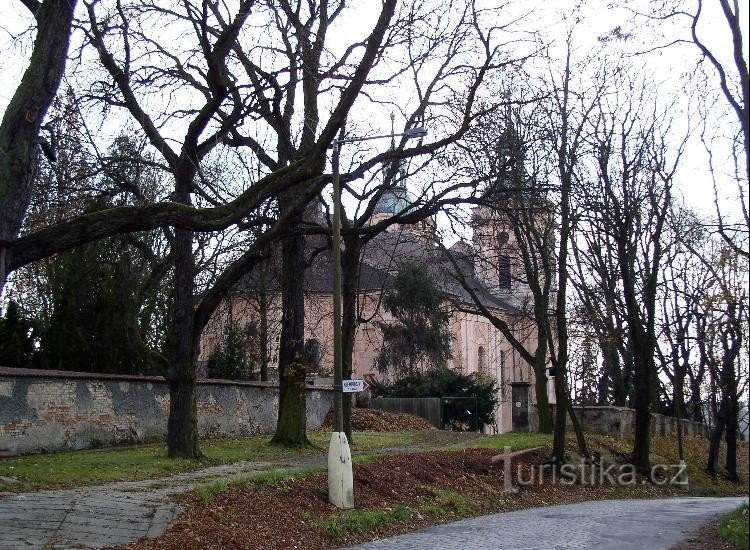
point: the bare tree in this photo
(722, 322)
(684, 284)
(23, 118)
(734, 84)
(722, 83)
(636, 165)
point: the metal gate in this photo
(520, 416)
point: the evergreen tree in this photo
(99, 307)
(16, 339)
(230, 359)
(95, 303)
(418, 339)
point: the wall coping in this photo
(7, 372)
(603, 407)
(584, 408)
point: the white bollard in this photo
(340, 478)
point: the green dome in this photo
(393, 201)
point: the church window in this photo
(503, 269)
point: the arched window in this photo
(312, 352)
(481, 360)
(503, 271)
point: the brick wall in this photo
(43, 411)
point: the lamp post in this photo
(340, 479)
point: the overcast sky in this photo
(670, 65)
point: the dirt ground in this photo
(371, 420)
(705, 538)
(393, 494)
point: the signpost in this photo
(340, 480)
(352, 386)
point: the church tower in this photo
(395, 198)
(498, 262)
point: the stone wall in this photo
(620, 422)
(43, 411)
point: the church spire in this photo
(393, 131)
(395, 197)
(399, 173)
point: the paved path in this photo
(602, 525)
(119, 513)
(113, 514)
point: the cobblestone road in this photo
(602, 525)
(114, 514)
(119, 513)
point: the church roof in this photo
(381, 258)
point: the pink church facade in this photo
(477, 346)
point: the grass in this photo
(733, 528)
(446, 498)
(516, 441)
(92, 467)
(364, 520)
(664, 451)
(79, 468)
(272, 478)
(206, 493)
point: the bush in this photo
(733, 527)
(229, 361)
(446, 383)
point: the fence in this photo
(442, 412)
(429, 408)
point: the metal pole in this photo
(338, 425)
(340, 475)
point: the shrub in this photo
(446, 383)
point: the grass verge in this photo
(394, 494)
(734, 528)
(358, 521)
(516, 441)
(93, 467)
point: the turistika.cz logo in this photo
(586, 473)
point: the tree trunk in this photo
(540, 375)
(291, 428)
(578, 430)
(731, 439)
(612, 366)
(350, 284)
(19, 130)
(182, 427)
(542, 400)
(263, 306)
(679, 398)
(642, 404)
(715, 439)
(561, 410)
(729, 379)
(696, 402)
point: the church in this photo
(488, 264)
